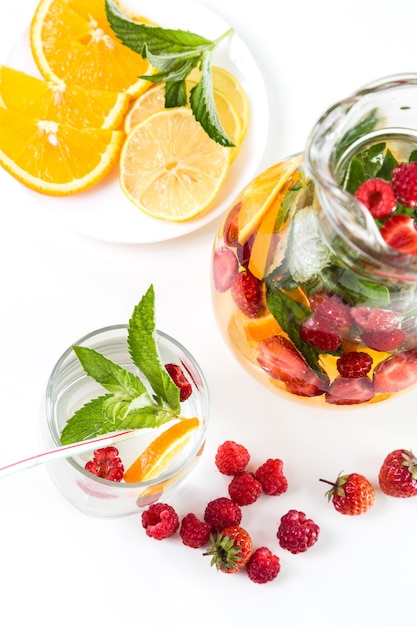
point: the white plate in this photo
(104, 212)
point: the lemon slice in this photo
(169, 166)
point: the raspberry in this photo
(263, 566)
(222, 512)
(180, 380)
(332, 309)
(296, 532)
(270, 475)
(404, 183)
(374, 319)
(378, 197)
(319, 334)
(106, 464)
(383, 341)
(244, 489)
(160, 521)
(231, 458)
(193, 532)
(354, 364)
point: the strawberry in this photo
(378, 197)
(350, 390)
(248, 294)
(317, 332)
(230, 549)
(399, 232)
(397, 372)
(230, 228)
(354, 364)
(404, 183)
(351, 494)
(296, 532)
(282, 361)
(225, 266)
(398, 474)
(383, 340)
(179, 378)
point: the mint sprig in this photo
(129, 403)
(175, 53)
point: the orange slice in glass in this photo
(161, 451)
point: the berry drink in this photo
(314, 268)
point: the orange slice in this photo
(258, 196)
(262, 328)
(55, 158)
(161, 451)
(61, 102)
(71, 40)
(169, 166)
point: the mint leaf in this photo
(129, 404)
(174, 53)
(144, 351)
(110, 375)
(290, 314)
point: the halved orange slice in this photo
(71, 40)
(161, 451)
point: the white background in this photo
(58, 566)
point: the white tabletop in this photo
(60, 566)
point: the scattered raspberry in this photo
(354, 364)
(244, 489)
(160, 521)
(222, 512)
(399, 232)
(248, 295)
(263, 566)
(225, 267)
(296, 532)
(270, 475)
(378, 197)
(404, 183)
(383, 341)
(193, 532)
(332, 309)
(106, 464)
(178, 376)
(319, 334)
(231, 458)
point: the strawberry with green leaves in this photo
(351, 494)
(398, 474)
(230, 550)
